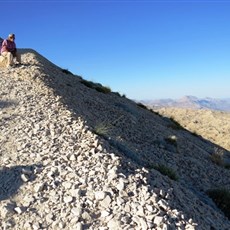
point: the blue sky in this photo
(143, 49)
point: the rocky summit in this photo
(75, 157)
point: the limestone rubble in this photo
(58, 171)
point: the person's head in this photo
(11, 37)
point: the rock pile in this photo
(59, 171)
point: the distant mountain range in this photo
(191, 102)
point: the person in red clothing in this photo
(9, 50)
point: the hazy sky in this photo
(143, 49)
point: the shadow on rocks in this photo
(11, 178)
(6, 104)
(94, 108)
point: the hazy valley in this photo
(191, 102)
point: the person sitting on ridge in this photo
(9, 50)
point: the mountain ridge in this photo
(76, 158)
(191, 102)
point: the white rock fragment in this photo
(27, 200)
(26, 171)
(143, 224)
(75, 192)
(190, 227)
(162, 193)
(100, 195)
(68, 199)
(86, 216)
(140, 211)
(105, 213)
(18, 210)
(77, 211)
(121, 185)
(67, 185)
(127, 208)
(149, 208)
(24, 177)
(112, 174)
(113, 224)
(61, 225)
(78, 226)
(106, 202)
(38, 187)
(72, 157)
(163, 204)
(158, 220)
(120, 201)
(36, 226)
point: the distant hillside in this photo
(191, 102)
(211, 125)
